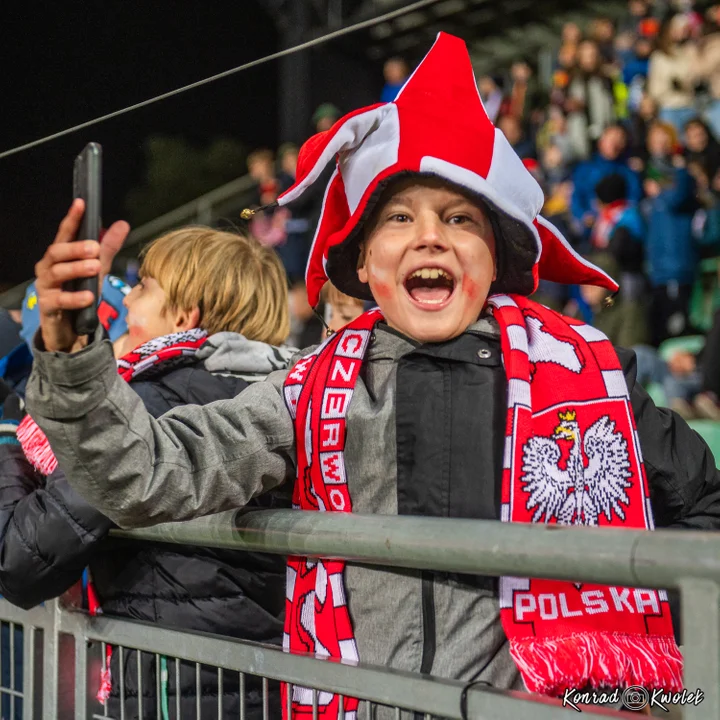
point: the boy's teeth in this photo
(430, 274)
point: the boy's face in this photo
(148, 317)
(339, 314)
(429, 259)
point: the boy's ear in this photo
(361, 269)
(187, 319)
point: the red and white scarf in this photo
(155, 356)
(572, 456)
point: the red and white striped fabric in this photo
(318, 392)
(156, 355)
(572, 456)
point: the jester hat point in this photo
(436, 127)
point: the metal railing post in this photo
(51, 656)
(28, 686)
(80, 676)
(700, 602)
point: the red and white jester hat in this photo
(437, 126)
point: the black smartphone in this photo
(87, 184)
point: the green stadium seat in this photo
(657, 394)
(710, 432)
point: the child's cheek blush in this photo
(470, 288)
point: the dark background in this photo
(64, 63)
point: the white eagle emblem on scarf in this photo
(577, 495)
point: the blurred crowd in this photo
(623, 142)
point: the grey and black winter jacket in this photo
(425, 437)
(49, 534)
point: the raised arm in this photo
(195, 460)
(138, 471)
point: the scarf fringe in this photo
(36, 446)
(600, 659)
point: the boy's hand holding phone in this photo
(64, 261)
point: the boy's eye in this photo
(399, 217)
(459, 219)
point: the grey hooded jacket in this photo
(425, 437)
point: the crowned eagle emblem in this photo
(580, 493)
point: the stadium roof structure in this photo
(497, 31)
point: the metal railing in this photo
(62, 651)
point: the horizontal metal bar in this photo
(603, 555)
(383, 685)
(40, 616)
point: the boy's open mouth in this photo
(430, 287)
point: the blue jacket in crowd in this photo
(588, 174)
(669, 245)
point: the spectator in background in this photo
(512, 128)
(670, 74)
(706, 67)
(571, 34)
(602, 31)
(638, 10)
(590, 104)
(567, 58)
(607, 161)
(701, 147)
(396, 72)
(325, 117)
(525, 97)
(623, 321)
(261, 167)
(619, 232)
(637, 127)
(670, 250)
(268, 227)
(294, 251)
(554, 132)
(619, 228)
(635, 71)
(491, 94)
(558, 189)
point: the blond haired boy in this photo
(340, 309)
(199, 326)
(458, 397)
(220, 281)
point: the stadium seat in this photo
(710, 432)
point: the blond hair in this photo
(237, 284)
(332, 296)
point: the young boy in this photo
(452, 399)
(203, 323)
(340, 309)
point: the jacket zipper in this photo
(428, 613)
